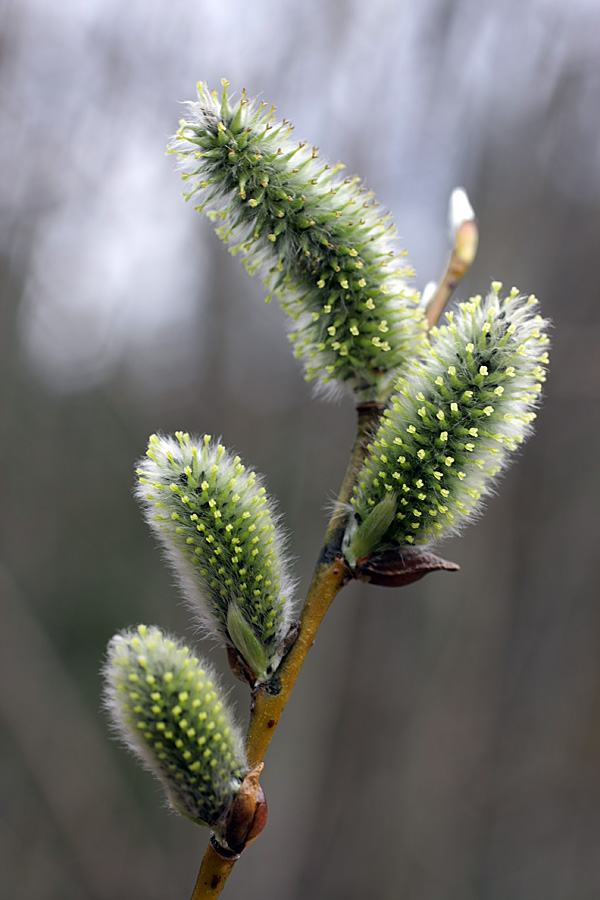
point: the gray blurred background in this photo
(443, 742)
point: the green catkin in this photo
(321, 242)
(456, 417)
(216, 522)
(168, 709)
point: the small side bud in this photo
(167, 707)
(246, 642)
(248, 814)
(400, 566)
(368, 534)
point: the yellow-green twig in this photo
(269, 700)
(461, 260)
(213, 874)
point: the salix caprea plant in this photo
(441, 410)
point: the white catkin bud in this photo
(459, 210)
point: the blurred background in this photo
(443, 742)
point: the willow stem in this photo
(213, 873)
(461, 260)
(269, 700)
(330, 575)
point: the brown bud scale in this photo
(248, 815)
(399, 566)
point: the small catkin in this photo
(457, 415)
(321, 242)
(166, 706)
(218, 527)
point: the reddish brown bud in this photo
(400, 566)
(239, 667)
(248, 814)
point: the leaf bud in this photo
(368, 534)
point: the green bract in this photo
(166, 707)
(456, 415)
(214, 519)
(321, 242)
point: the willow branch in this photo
(213, 873)
(461, 259)
(330, 575)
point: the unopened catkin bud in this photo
(458, 415)
(320, 241)
(167, 707)
(214, 518)
(366, 536)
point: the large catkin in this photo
(320, 241)
(220, 530)
(454, 422)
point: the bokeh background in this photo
(443, 742)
